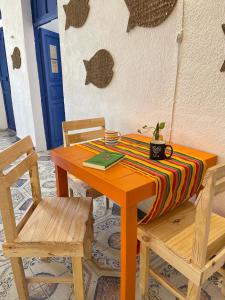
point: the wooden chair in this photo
(191, 239)
(74, 132)
(50, 227)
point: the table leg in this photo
(128, 252)
(61, 182)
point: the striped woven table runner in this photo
(177, 179)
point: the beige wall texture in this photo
(200, 108)
(142, 90)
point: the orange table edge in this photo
(125, 187)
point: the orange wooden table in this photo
(126, 187)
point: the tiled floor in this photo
(102, 273)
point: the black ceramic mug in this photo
(158, 150)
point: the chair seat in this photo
(58, 220)
(175, 231)
(82, 188)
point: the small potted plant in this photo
(156, 132)
(157, 145)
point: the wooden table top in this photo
(123, 185)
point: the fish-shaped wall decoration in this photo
(16, 58)
(76, 13)
(148, 13)
(99, 69)
(223, 27)
(223, 66)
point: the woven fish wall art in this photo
(99, 69)
(223, 27)
(148, 13)
(16, 58)
(223, 66)
(76, 13)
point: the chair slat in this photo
(220, 186)
(49, 280)
(24, 166)
(202, 223)
(83, 124)
(15, 151)
(213, 265)
(85, 136)
(220, 170)
(167, 284)
(25, 217)
(7, 211)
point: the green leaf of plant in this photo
(162, 125)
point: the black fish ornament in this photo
(148, 13)
(99, 69)
(76, 13)
(16, 58)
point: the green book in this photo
(104, 160)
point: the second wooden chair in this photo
(80, 131)
(191, 239)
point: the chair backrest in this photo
(220, 178)
(74, 131)
(24, 152)
(214, 183)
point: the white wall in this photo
(200, 107)
(24, 81)
(52, 26)
(3, 121)
(32, 70)
(144, 73)
(145, 66)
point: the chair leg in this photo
(194, 291)
(90, 237)
(78, 278)
(91, 229)
(107, 202)
(90, 224)
(223, 286)
(20, 279)
(144, 270)
(70, 192)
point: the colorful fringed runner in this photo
(177, 179)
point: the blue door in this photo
(51, 87)
(4, 78)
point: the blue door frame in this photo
(43, 11)
(50, 79)
(52, 88)
(5, 83)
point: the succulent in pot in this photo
(156, 130)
